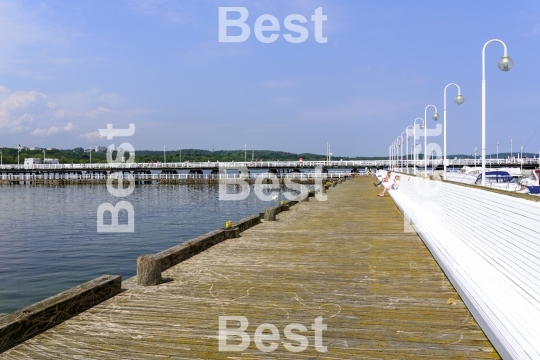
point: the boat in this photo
(502, 180)
(532, 182)
(469, 175)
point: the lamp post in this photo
(180, 153)
(475, 149)
(245, 153)
(1, 161)
(505, 64)
(389, 156)
(401, 148)
(329, 153)
(415, 153)
(521, 158)
(497, 152)
(432, 160)
(18, 154)
(43, 156)
(435, 117)
(164, 155)
(407, 145)
(391, 165)
(459, 99)
(396, 154)
(252, 153)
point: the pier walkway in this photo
(378, 289)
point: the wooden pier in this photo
(378, 289)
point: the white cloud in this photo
(34, 113)
(53, 130)
(16, 108)
(69, 127)
(92, 135)
(110, 98)
(96, 112)
(46, 132)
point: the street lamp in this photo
(505, 64)
(475, 149)
(390, 164)
(329, 153)
(459, 99)
(415, 153)
(180, 153)
(401, 148)
(497, 152)
(396, 154)
(432, 160)
(164, 155)
(1, 161)
(435, 117)
(245, 152)
(389, 156)
(252, 153)
(43, 156)
(18, 154)
(407, 144)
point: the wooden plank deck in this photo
(378, 289)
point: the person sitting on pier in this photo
(394, 186)
(383, 180)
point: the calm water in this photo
(49, 243)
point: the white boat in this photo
(503, 178)
(532, 182)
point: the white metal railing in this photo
(271, 164)
(152, 177)
(488, 246)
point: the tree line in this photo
(82, 156)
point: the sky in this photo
(69, 68)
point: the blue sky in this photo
(68, 68)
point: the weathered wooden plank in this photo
(36, 318)
(378, 290)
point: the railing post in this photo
(148, 270)
(269, 214)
